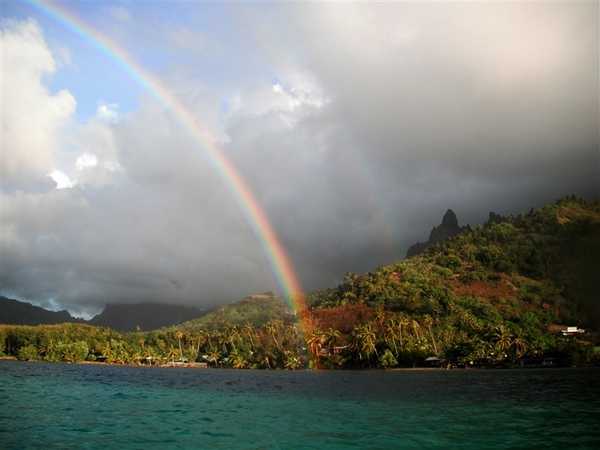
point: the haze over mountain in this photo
(255, 310)
(143, 316)
(22, 313)
(353, 124)
(122, 317)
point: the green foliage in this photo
(490, 296)
(28, 353)
(519, 274)
(388, 360)
(256, 310)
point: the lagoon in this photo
(99, 407)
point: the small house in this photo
(572, 331)
(433, 361)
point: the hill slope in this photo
(145, 316)
(255, 310)
(495, 295)
(22, 313)
(547, 258)
(122, 317)
(503, 288)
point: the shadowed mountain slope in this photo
(145, 316)
(543, 263)
(22, 313)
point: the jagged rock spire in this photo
(450, 219)
(447, 229)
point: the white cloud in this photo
(61, 179)
(290, 101)
(367, 136)
(31, 117)
(86, 161)
(108, 112)
(278, 88)
(297, 96)
(97, 163)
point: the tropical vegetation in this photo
(496, 295)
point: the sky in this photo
(355, 125)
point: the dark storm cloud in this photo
(476, 107)
(383, 117)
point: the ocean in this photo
(63, 406)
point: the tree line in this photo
(495, 295)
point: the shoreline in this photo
(393, 369)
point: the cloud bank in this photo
(380, 117)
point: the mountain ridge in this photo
(503, 294)
(118, 316)
(18, 312)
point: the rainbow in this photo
(281, 264)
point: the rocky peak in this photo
(447, 229)
(450, 220)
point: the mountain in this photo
(145, 316)
(256, 310)
(22, 313)
(541, 267)
(122, 317)
(497, 295)
(447, 229)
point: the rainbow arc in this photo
(279, 261)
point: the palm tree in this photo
(402, 322)
(172, 353)
(380, 315)
(142, 342)
(331, 336)
(429, 323)
(213, 357)
(238, 361)
(315, 343)
(273, 327)
(416, 329)
(503, 339)
(201, 339)
(520, 346)
(249, 330)
(232, 337)
(390, 333)
(366, 340)
(292, 360)
(179, 336)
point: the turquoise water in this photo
(78, 406)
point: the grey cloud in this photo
(424, 108)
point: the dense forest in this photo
(495, 295)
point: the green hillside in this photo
(496, 295)
(255, 310)
(544, 262)
(503, 288)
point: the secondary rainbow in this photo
(278, 259)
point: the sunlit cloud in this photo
(87, 160)
(356, 126)
(108, 112)
(61, 179)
